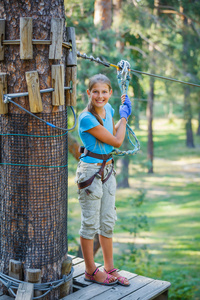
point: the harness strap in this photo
(99, 174)
(84, 184)
(109, 174)
(89, 181)
(94, 155)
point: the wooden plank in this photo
(71, 76)
(71, 59)
(81, 282)
(77, 260)
(120, 291)
(3, 90)
(57, 75)
(88, 292)
(72, 256)
(80, 269)
(2, 37)
(26, 35)
(163, 296)
(66, 288)
(98, 291)
(55, 49)
(150, 291)
(35, 100)
(25, 291)
(15, 269)
(34, 276)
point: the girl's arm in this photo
(114, 127)
(103, 135)
(117, 125)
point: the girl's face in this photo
(99, 94)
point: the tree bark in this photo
(123, 164)
(198, 128)
(188, 118)
(36, 207)
(150, 147)
(103, 13)
(187, 105)
(73, 146)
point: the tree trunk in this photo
(198, 128)
(103, 13)
(122, 170)
(188, 118)
(150, 147)
(34, 203)
(187, 104)
(73, 146)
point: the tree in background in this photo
(103, 13)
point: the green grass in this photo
(170, 248)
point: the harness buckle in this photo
(81, 149)
(98, 175)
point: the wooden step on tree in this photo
(35, 56)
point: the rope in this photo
(12, 283)
(136, 145)
(107, 64)
(8, 99)
(123, 77)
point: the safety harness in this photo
(99, 174)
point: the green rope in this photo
(24, 165)
(123, 77)
(136, 145)
(32, 135)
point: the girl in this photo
(96, 177)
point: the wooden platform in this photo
(141, 288)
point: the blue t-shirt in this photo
(88, 121)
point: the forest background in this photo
(157, 233)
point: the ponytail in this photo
(91, 109)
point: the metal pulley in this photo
(123, 75)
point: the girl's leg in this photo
(87, 250)
(107, 248)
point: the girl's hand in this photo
(123, 99)
(126, 101)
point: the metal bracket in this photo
(6, 97)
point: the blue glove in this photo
(128, 103)
(125, 109)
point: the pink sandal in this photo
(121, 279)
(106, 282)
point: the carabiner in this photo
(123, 75)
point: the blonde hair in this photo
(93, 80)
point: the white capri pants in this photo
(97, 201)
